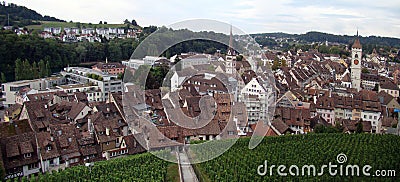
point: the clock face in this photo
(356, 62)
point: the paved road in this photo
(187, 170)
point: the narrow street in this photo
(187, 171)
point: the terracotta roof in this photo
(45, 140)
(66, 136)
(384, 98)
(346, 78)
(357, 44)
(389, 121)
(112, 65)
(280, 126)
(12, 109)
(14, 147)
(41, 96)
(17, 127)
(133, 144)
(76, 109)
(389, 85)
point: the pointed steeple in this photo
(230, 38)
(357, 43)
(231, 51)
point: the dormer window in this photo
(48, 148)
(28, 155)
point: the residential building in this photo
(107, 83)
(110, 68)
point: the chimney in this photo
(107, 131)
(108, 109)
(45, 106)
(52, 138)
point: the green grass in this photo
(173, 173)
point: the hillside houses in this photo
(74, 34)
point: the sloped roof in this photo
(357, 44)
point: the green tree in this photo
(376, 88)
(284, 64)
(81, 51)
(42, 69)
(35, 72)
(359, 128)
(3, 78)
(134, 23)
(365, 70)
(48, 69)
(27, 73)
(276, 64)
(18, 69)
(114, 50)
(319, 128)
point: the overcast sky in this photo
(372, 17)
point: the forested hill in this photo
(21, 15)
(344, 39)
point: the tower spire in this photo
(230, 38)
(231, 51)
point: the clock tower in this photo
(356, 53)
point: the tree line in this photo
(21, 16)
(58, 54)
(26, 71)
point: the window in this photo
(33, 166)
(28, 155)
(370, 117)
(48, 147)
(230, 133)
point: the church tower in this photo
(230, 59)
(356, 53)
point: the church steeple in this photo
(231, 51)
(230, 59)
(356, 58)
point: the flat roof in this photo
(74, 86)
(89, 70)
